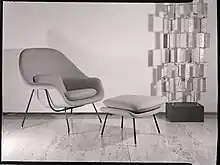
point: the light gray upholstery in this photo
(43, 61)
(80, 94)
(52, 79)
(135, 103)
(128, 113)
(46, 68)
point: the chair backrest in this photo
(37, 61)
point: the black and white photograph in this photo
(110, 82)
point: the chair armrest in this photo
(95, 83)
(52, 82)
(82, 83)
(48, 81)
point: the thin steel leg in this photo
(71, 111)
(29, 102)
(97, 113)
(156, 124)
(122, 121)
(104, 124)
(68, 127)
(135, 140)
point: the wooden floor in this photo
(44, 138)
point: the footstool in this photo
(135, 106)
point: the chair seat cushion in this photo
(135, 103)
(80, 94)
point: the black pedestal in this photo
(185, 112)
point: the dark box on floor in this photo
(185, 112)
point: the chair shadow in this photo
(40, 120)
(86, 136)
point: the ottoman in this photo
(135, 106)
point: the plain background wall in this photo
(109, 41)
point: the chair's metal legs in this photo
(122, 121)
(97, 113)
(135, 140)
(68, 127)
(29, 102)
(156, 124)
(71, 110)
(104, 124)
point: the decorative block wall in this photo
(178, 59)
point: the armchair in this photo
(58, 83)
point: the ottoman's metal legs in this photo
(103, 128)
(135, 140)
(134, 126)
(104, 124)
(156, 124)
(122, 121)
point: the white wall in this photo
(109, 41)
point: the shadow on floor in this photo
(87, 136)
(84, 133)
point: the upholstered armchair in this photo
(57, 82)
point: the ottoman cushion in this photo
(129, 113)
(135, 103)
